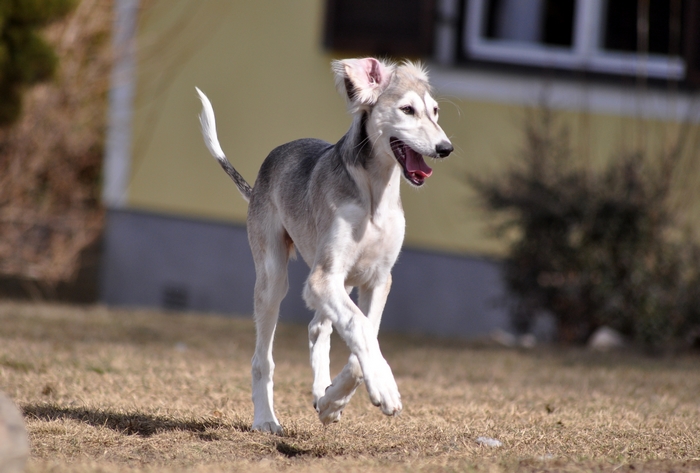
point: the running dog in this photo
(339, 206)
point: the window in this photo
(380, 27)
(594, 35)
(652, 38)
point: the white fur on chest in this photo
(373, 246)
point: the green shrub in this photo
(594, 248)
(25, 58)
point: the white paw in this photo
(329, 411)
(318, 395)
(330, 406)
(271, 427)
(382, 388)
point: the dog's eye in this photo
(435, 111)
(408, 110)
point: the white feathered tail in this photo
(208, 121)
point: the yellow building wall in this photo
(263, 67)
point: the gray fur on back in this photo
(303, 180)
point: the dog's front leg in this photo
(320, 330)
(325, 292)
(371, 301)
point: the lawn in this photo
(113, 390)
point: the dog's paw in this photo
(318, 395)
(382, 389)
(330, 407)
(329, 413)
(271, 427)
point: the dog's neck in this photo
(377, 177)
(356, 147)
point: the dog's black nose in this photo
(444, 149)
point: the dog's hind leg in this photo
(330, 406)
(271, 254)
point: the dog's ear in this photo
(362, 81)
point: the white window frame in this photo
(585, 53)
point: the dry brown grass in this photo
(108, 390)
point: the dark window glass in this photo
(382, 27)
(621, 26)
(559, 23)
(548, 22)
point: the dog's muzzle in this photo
(415, 169)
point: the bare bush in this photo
(50, 161)
(598, 247)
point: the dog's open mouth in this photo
(414, 167)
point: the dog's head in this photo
(401, 113)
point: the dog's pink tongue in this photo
(415, 164)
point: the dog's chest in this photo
(378, 246)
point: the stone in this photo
(605, 338)
(14, 442)
(489, 442)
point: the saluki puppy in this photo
(339, 206)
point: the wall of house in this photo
(262, 65)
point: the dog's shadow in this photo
(132, 423)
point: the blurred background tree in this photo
(55, 64)
(25, 57)
(599, 246)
